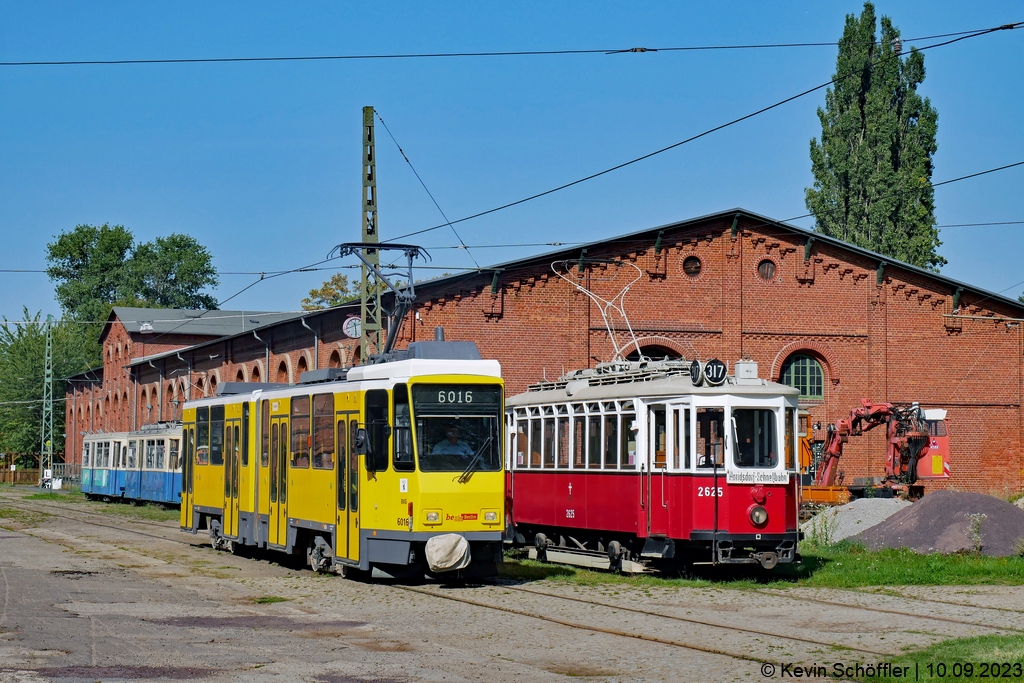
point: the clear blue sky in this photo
(261, 162)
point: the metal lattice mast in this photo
(46, 439)
(370, 286)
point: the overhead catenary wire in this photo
(425, 188)
(446, 55)
(697, 136)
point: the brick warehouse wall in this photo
(885, 336)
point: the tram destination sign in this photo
(756, 477)
(457, 398)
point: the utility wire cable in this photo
(692, 138)
(436, 55)
(425, 188)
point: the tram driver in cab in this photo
(452, 444)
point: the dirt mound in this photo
(949, 522)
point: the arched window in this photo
(335, 360)
(654, 352)
(282, 373)
(300, 368)
(239, 376)
(213, 385)
(804, 372)
(255, 373)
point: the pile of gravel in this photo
(835, 524)
(950, 522)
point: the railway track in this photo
(78, 514)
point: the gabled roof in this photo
(182, 321)
(647, 234)
(426, 288)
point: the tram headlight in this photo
(432, 517)
(758, 515)
(490, 516)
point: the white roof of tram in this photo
(581, 390)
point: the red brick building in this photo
(841, 322)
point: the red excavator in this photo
(917, 448)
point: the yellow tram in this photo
(394, 467)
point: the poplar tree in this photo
(873, 166)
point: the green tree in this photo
(97, 267)
(170, 272)
(331, 293)
(22, 349)
(873, 166)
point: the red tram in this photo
(632, 462)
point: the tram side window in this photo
(754, 436)
(562, 432)
(627, 440)
(594, 442)
(682, 433)
(85, 455)
(216, 435)
(265, 437)
(535, 443)
(520, 445)
(160, 454)
(790, 445)
(300, 431)
(660, 437)
(710, 441)
(342, 442)
(117, 454)
(245, 435)
(401, 440)
(579, 442)
(175, 463)
(353, 472)
(106, 454)
(132, 454)
(549, 442)
(377, 428)
(203, 436)
(150, 454)
(611, 442)
(323, 432)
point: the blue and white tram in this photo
(153, 471)
(102, 470)
(141, 466)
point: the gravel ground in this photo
(85, 603)
(834, 524)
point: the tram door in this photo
(347, 487)
(232, 447)
(187, 465)
(657, 491)
(278, 531)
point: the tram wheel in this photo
(541, 543)
(615, 554)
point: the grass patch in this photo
(981, 658)
(844, 565)
(269, 599)
(14, 519)
(148, 512)
(53, 495)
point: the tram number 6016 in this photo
(709, 492)
(455, 397)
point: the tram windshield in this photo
(457, 427)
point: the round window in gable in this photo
(766, 270)
(692, 266)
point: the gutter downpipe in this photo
(188, 381)
(266, 366)
(316, 344)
